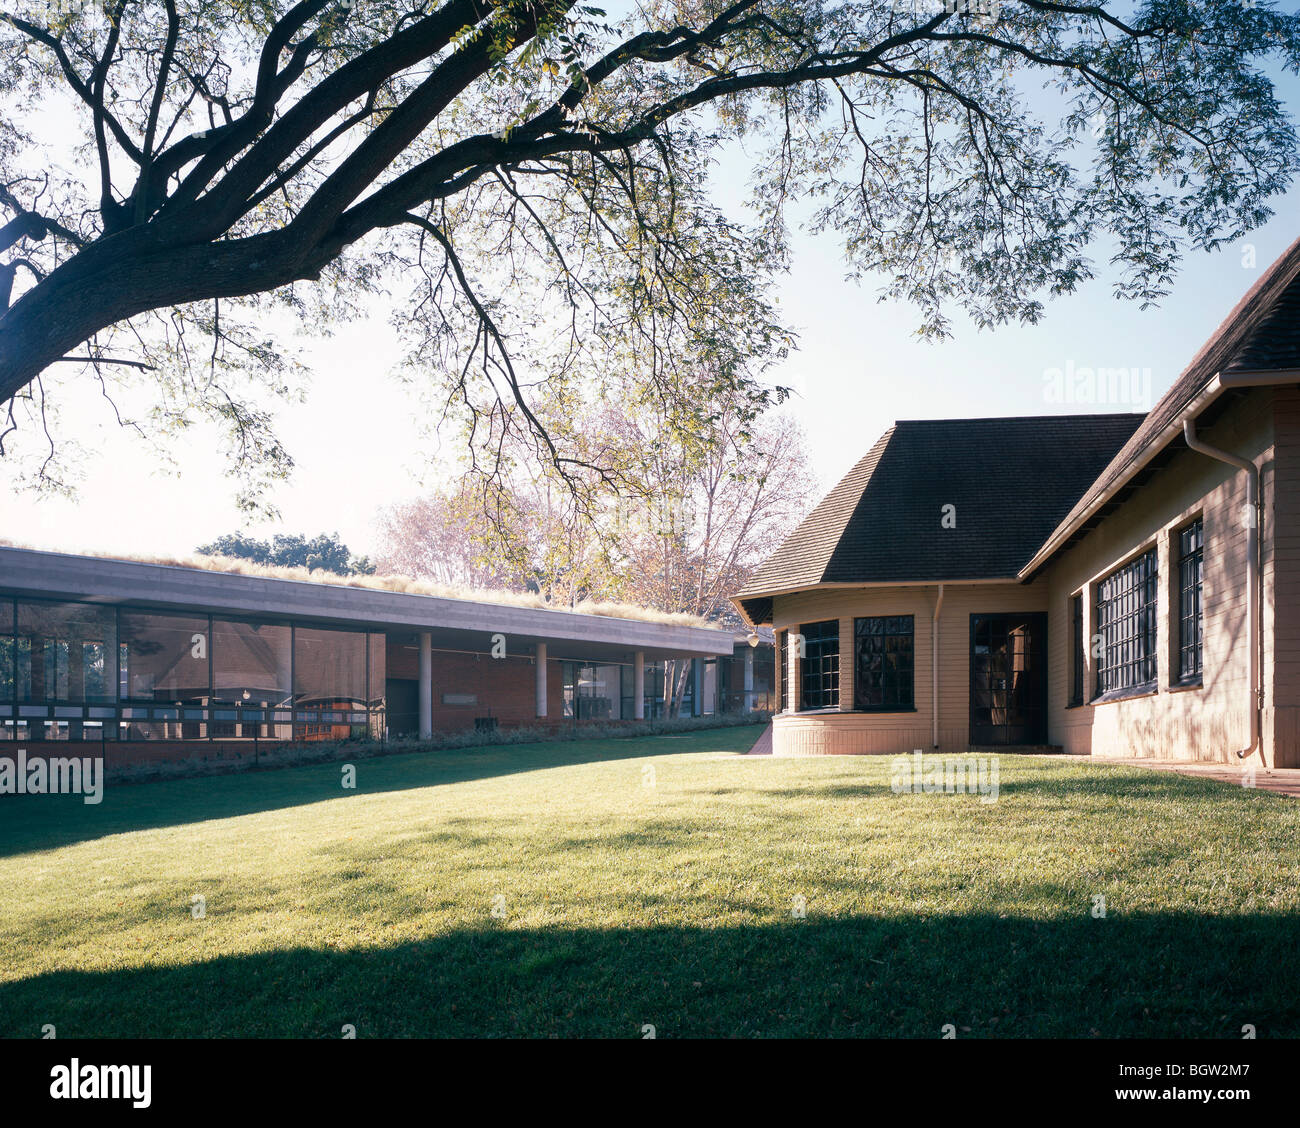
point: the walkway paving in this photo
(763, 745)
(1283, 781)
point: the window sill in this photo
(1077, 704)
(1128, 694)
(883, 712)
(1189, 683)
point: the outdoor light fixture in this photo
(753, 638)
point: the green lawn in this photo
(627, 904)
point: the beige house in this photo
(1119, 585)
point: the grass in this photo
(651, 881)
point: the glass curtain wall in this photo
(329, 682)
(252, 686)
(62, 670)
(165, 678)
(81, 671)
(594, 692)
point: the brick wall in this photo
(505, 687)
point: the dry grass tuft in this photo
(406, 584)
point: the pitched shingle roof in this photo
(1261, 333)
(1010, 480)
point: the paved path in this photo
(1283, 781)
(763, 745)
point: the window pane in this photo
(820, 688)
(377, 685)
(1126, 621)
(252, 668)
(1190, 571)
(66, 652)
(164, 657)
(883, 663)
(329, 668)
(1077, 659)
(251, 664)
(598, 693)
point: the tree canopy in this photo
(529, 180)
(323, 552)
(690, 527)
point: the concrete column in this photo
(748, 706)
(541, 679)
(426, 685)
(638, 686)
(697, 672)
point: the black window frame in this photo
(1127, 604)
(819, 666)
(1191, 610)
(1078, 653)
(891, 687)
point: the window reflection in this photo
(252, 680)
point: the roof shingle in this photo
(1010, 481)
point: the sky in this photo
(357, 437)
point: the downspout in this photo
(1253, 584)
(934, 666)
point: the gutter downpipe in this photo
(934, 666)
(1253, 584)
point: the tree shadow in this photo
(1152, 975)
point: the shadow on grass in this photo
(1170, 975)
(29, 823)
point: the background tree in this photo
(709, 515)
(323, 552)
(701, 508)
(705, 518)
(537, 174)
(438, 537)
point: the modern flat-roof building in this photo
(153, 655)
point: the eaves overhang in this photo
(1222, 382)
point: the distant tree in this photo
(439, 537)
(707, 517)
(530, 537)
(323, 553)
(691, 515)
(704, 522)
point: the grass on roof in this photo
(238, 567)
(596, 889)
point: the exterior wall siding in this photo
(845, 732)
(1212, 721)
(1282, 588)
